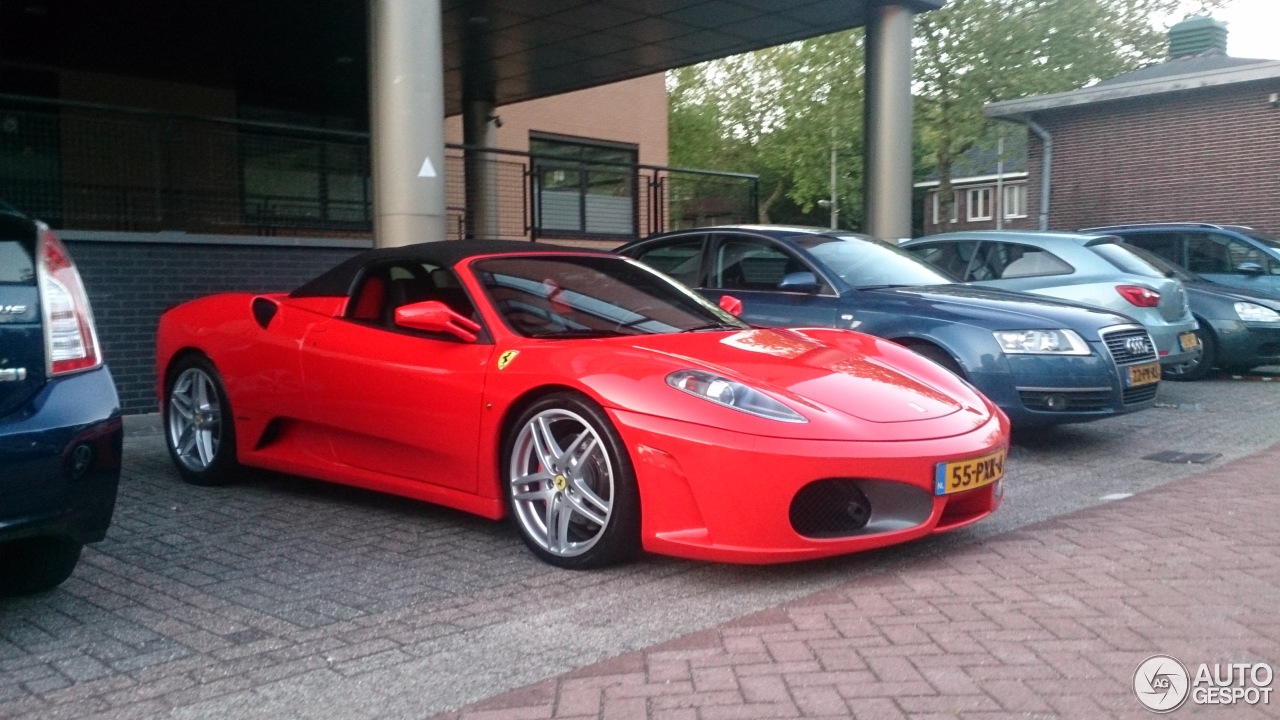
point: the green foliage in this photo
(775, 112)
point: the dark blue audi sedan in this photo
(1042, 361)
(60, 424)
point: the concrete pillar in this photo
(888, 160)
(406, 121)
(479, 130)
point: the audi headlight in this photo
(732, 394)
(1042, 342)
(1249, 312)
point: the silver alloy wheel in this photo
(562, 482)
(195, 419)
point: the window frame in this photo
(986, 205)
(542, 164)
(1021, 190)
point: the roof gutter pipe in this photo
(1046, 170)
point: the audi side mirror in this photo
(800, 282)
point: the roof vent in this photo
(1197, 35)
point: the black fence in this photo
(90, 167)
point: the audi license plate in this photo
(1190, 341)
(961, 475)
(1143, 374)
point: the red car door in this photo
(397, 403)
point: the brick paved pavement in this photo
(1048, 621)
(281, 597)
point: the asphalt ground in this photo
(280, 597)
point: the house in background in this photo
(988, 185)
(1194, 138)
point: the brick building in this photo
(1195, 138)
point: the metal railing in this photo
(93, 167)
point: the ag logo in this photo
(505, 358)
(1161, 683)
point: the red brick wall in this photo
(1208, 155)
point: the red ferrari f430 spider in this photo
(602, 406)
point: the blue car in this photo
(1042, 361)
(60, 424)
(1233, 255)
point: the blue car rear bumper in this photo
(60, 460)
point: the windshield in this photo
(592, 296)
(1165, 267)
(866, 263)
(1263, 238)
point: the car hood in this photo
(1003, 309)
(847, 385)
(1206, 287)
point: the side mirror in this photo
(731, 305)
(800, 282)
(435, 316)
(1251, 268)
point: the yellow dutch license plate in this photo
(1144, 374)
(961, 475)
(1189, 340)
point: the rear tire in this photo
(199, 428)
(34, 565)
(1196, 369)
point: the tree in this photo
(772, 111)
(972, 52)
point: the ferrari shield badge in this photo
(505, 358)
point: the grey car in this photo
(1234, 255)
(1090, 269)
(1239, 329)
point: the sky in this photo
(1253, 28)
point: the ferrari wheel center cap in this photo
(561, 482)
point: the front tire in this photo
(34, 565)
(939, 356)
(571, 489)
(199, 427)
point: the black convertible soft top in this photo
(338, 281)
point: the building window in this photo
(1015, 201)
(955, 207)
(318, 180)
(979, 204)
(583, 187)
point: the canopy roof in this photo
(309, 53)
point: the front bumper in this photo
(1045, 389)
(60, 460)
(713, 494)
(1247, 344)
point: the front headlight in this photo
(1249, 312)
(1042, 342)
(732, 394)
